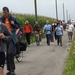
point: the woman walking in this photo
(28, 30)
(59, 33)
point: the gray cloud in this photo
(44, 7)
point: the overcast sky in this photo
(44, 7)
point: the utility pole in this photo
(67, 14)
(56, 10)
(35, 5)
(63, 12)
(69, 17)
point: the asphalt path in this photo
(43, 59)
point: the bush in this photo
(31, 18)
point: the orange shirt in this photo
(8, 24)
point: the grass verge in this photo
(70, 64)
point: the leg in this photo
(10, 57)
(1, 71)
(40, 37)
(58, 40)
(2, 62)
(47, 38)
(55, 36)
(26, 37)
(29, 38)
(18, 48)
(52, 36)
(60, 37)
(71, 36)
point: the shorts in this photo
(2, 59)
(70, 33)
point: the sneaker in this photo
(28, 45)
(17, 55)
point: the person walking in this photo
(70, 32)
(37, 29)
(55, 25)
(64, 25)
(5, 35)
(59, 33)
(27, 30)
(52, 34)
(48, 30)
(13, 26)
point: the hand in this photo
(32, 32)
(12, 22)
(2, 36)
(17, 31)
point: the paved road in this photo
(43, 60)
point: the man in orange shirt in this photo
(13, 26)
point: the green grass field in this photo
(70, 64)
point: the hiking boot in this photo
(48, 44)
(61, 45)
(13, 73)
(10, 73)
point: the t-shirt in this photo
(59, 30)
(64, 23)
(48, 29)
(8, 24)
(70, 28)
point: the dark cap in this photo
(6, 9)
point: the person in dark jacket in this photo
(13, 26)
(37, 29)
(5, 36)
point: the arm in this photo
(15, 24)
(31, 29)
(55, 30)
(7, 34)
(44, 29)
(24, 28)
(34, 28)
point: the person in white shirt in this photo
(73, 22)
(70, 32)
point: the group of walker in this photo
(10, 31)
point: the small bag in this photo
(19, 34)
(23, 46)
